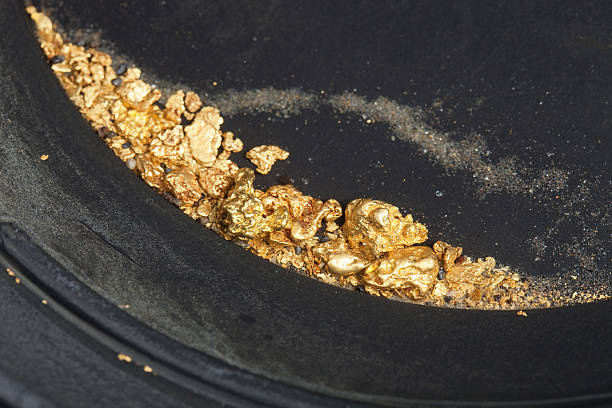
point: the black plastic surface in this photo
(103, 225)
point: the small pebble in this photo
(105, 133)
(121, 69)
(131, 164)
(203, 220)
(173, 200)
(439, 193)
(298, 250)
(58, 59)
(116, 81)
(441, 274)
(126, 145)
(324, 238)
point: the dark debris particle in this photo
(283, 179)
(447, 299)
(293, 268)
(116, 81)
(360, 288)
(173, 200)
(203, 220)
(166, 168)
(324, 238)
(160, 105)
(58, 59)
(105, 133)
(497, 298)
(81, 43)
(121, 69)
(298, 250)
(126, 145)
(441, 274)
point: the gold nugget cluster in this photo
(179, 150)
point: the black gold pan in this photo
(114, 297)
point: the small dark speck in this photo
(172, 199)
(121, 69)
(160, 105)
(360, 289)
(293, 268)
(298, 250)
(116, 81)
(324, 238)
(284, 180)
(447, 299)
(440, 274)
(126, 145)
(58, 59)
(106, 133)
(80, 43)
(246, 318)
(166, 168)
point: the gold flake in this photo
(192, 102)
(124, 357)
(265, 156)
(204, 135)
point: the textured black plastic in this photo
(199, 301)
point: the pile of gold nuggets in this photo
(377, 250)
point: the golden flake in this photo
(265, 156)
(192, 102)
(204, 135)
(124, 357)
